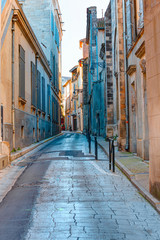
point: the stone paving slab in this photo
(135, 169)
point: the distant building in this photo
(96, 83)
(84, 65)
(67, 103)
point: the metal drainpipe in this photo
(36, 58)
(126, 76)
(105, 80)
(13, 103)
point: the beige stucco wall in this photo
(24, 115)
(152, 36)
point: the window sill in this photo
(33, 108)
(22, 101)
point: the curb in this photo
(14, 156)
(131, 176)
(3, 195)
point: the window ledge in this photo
(33, 107)
(22, 101)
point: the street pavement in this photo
(64, 193)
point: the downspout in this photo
(36, 79)
(126, 76)
(13, 61)
(105, 77)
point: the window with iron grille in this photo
(33, 85)
(21, 72)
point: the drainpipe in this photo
(126, 76)
(36, 79)
(105, 78)
(13, 102)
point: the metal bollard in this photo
(113, 156)
(110, 153)
(96, 149)
(89, 141)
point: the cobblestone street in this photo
(75, 197)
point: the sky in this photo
(74, 13)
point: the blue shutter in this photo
(3, 2)
(48, 99)
(52, 23)
(43, 94)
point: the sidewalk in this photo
(135, 169)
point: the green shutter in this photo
(38, 90)
(21, 72)
(33, 85)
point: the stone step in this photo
(4, 161)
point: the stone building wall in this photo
(118, 71)
(138, 114)
(109, 76)
(152, 33)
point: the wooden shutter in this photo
(38, 90)
(43, 94)
(54, 70)
(52, 108)
(48, 99)
(21, 72)
(33, 85)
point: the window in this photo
(33, 132)
(43, 94)
(75, 106)
(44, 135)
(22, 131)
(33, 85)
(21, 72)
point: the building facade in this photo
(77, 98)
(120, 120)
(106, 56)
(96, 84)
(45, 20)
(67, 103)
(152, 31)
(29, 111)
(84, 64)
(136, 61)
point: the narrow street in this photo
(65, 194)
